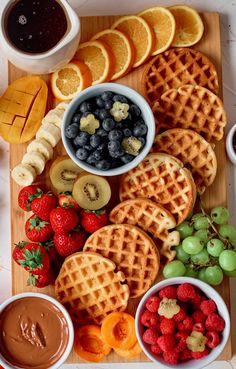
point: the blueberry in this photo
(134, 110)
(127, 132)
(116, 153)
(91, 159)
(96, 112)
(95, 140)
(108, 105)
(98, 154)
(99, 102)
(72, 130)
(103, 165)
(107, 95)
(85, 106)
(86, 113)
(139, 130)
(101, 132)
(82, 139)
(120, 98)
(88, 147)
(115, 134)
(126, 158)
(82, 154)
(103, 114)
(142, 140)
(102, 147)
(115, 163)
(108, 124)
(76, 118)
(113, 145)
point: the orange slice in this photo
(138, 30)
(162, 22)
(122, 49)
(70, 79)
(99, 59)
(189, 26)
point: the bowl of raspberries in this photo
(182, 323)
(108, 129)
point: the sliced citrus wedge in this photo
(141, 34)
(122, 49)
(162, 22)
(70, 79)
(99, 59)
(189, 26)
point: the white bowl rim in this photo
(229, 144)
(68, 349)
(191, 364)
(112, 87)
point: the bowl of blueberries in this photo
(108, 129)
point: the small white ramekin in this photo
(209, 292)
(229, 145)
(68, 349)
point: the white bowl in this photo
(229, 145)
(68, 349)
(131, 94)
(209, 292)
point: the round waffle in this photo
(195, 153)
(191, 107)
(177, 67)
(133, 252)
(89, 287)
(162, 179)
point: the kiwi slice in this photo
(63, 173)
(91, 192)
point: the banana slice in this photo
(42, 146)
(50, 133)
(24, 174)
(54, 116)
(36, 160)
(168, 308)
(62, 106)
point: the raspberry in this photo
(188, 324)
(186, 292)
(180, 316)
(199, 327)
(166, 342)
(213, 339)
(214, 322)
(153, 303)
(185, 355)
(156, 349)
(198, 316)
(181, 339)
(167, 326)
(150, 336)
(149, 319)
(171, 357)
(208, 307)
(196, 301)
(170, 292)
(183, 306)
(199, 355)
(180, 327)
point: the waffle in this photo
(133, 252)
(195, 153)
(162, 179)
(191, 107)
(87, 285)
(177, 67)
(152, 218)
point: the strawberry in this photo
(26, 196)
(66, 200)
(41, 280)
(34, 258)
(91, 221)
(63, 220)
(56, 260)
(70, 242)
(38, 230)
(43, 204)
(17, 252)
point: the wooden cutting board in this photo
(215, 195)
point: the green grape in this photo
(228, 231)
(230, 274)
(227, 260)
(174, 269)
(181, 254)
(190, 272)
(192, 245)
(220, 215)
(185, 230)
(201, 258)
(201, 274)
(215, 247)
(203, 235)
(214, 275)
(200, 221)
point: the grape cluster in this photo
(207, 249)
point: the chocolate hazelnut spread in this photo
(33, 333)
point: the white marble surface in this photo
(227, 10)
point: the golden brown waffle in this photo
(191, 107)
(152, 218)
(195, 153)
(133, 252)
(88, 285)
(177, 67)
(162, 179)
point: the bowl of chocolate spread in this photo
(36, 332)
